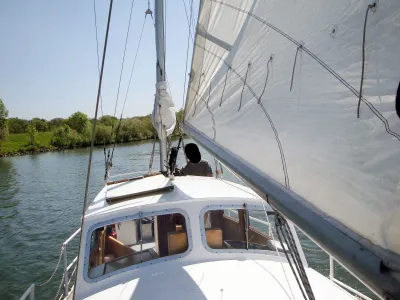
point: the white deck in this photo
(231, 279)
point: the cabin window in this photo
(243, 229)
(123, 244)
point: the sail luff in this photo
(279, 89)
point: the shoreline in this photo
(42, 149)
(56, 149)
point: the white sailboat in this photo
(274, 95)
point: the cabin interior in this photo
(131, 242)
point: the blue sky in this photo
(48, 59)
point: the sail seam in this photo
(284, 166)
(321, 62)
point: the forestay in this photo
(277, 83)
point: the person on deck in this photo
(196, 166)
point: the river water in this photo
(41, 199)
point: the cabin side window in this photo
(132, 242)
(239, 229)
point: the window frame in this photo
(226, 207)
(132, 217)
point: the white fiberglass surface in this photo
(228, 279)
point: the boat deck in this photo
(228, 279)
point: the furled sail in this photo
(163, 116)
(278, 83)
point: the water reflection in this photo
(8, 189)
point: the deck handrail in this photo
(29, 292)
(74, 261)
(67, 267)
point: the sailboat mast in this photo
(160, 66)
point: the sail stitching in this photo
(371, 6)
(223, 90)
(284, 166)
(294, 65)
(266, 78)
(330, 70)
(244, 84)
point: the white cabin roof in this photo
(185, 188)
(227, 279)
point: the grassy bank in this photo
(39, 135)
(18, 144)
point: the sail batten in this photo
(283, 98)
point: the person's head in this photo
(193, 153)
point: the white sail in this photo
(277, 83)
(163, 116)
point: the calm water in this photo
(41, 199)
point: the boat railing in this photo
(68, 275)
(331, 262)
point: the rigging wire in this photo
(109, 159)
(123, 58)
(98, 55)
(277, 252)
(94, 128)
(278, 221)
(370, 6)
(187, 49)
(187, 18)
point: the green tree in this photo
(3, 121)
(56, 122)
(78, 121)
(108, 120)
(64, 136)
(32, 133)
(16, 125)
(103, 134)
(40, 124)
